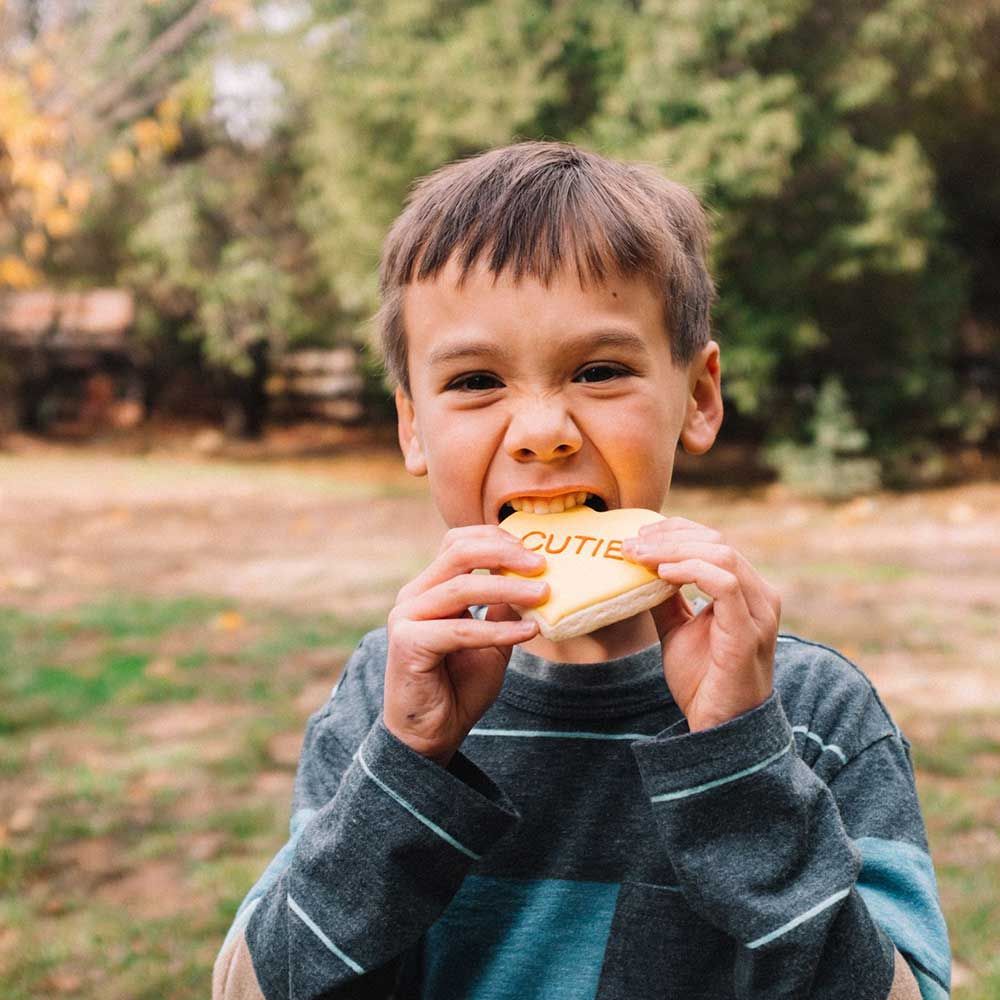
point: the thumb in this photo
(674, 611)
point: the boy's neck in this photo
(609, 643)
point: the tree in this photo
(832, 248)
(395, 90)
(86, 99)
(168, 111)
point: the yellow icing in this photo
(582, 548)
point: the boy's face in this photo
(518, 390)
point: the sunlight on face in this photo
(517, 387)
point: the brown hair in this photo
(533, 206)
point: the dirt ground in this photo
(910, 579)
(904, 584)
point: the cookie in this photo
(591, 583)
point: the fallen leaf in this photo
(229, 621)
(23, 819)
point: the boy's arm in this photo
(381, 839)
(819, 874)
(823, 883)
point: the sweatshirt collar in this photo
(620, 687)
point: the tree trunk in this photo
(249, 415)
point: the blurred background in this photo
(201, 504)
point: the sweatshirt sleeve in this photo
(381, 839)
(816, 880)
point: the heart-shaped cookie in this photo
(591, 583)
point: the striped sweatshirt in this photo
(585, 844)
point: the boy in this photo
(678, 805)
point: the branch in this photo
(165, 45)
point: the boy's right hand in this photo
(445, 668)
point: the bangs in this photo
(531, 221)
(534, 209)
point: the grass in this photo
(135, 732)
(132, 732)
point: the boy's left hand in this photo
(719, 663)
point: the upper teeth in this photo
(549, 505)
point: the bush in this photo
(832, 464)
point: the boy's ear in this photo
(409, 436)
(704, 408)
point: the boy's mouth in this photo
(552, 505)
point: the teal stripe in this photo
(501, 938)
(800, 919)
(241, 920)
(832, 747)
(557, 735)
(275, 869)
(307, 920)
(430, 824)
(930, 989)
(685, 792)
(898, 886)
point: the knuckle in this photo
(464, 630)
(728, 558)
(398, 615)
(400, 638)
(452, 537)
(465, 549)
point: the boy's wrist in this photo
(698, 722)
(432, 751)
(681, 759)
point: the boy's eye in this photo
(600, 373)
(478, 381)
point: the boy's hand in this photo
(445, 668)
(720, 663)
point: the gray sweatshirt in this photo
(585, 844)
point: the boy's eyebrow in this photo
(605, 337)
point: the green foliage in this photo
(407, 86)
(831, 464)
(830, 249)
(218, 251)
(848, 153)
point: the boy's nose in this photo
(542, 432)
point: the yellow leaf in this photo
(170, 136)
(169, 109)
(121, 163)
(35, 244)
(236, 11)
(60, 222)
(50, 175)
(77, 194)
(15, 273)
(41, 74)
(229, 621)
(146, 132)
